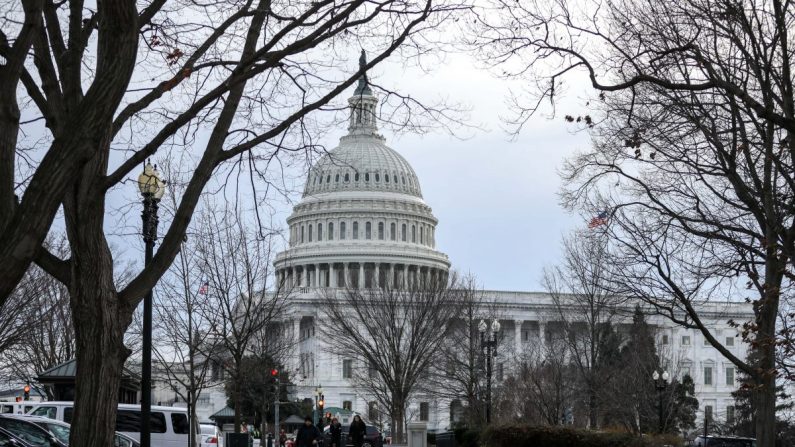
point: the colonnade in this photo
(358, 274)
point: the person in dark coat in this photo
(308, 434)
(357, 431)
(335, 430)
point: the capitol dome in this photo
(362, 221)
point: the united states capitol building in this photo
(362, 222)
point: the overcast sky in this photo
(495, 197)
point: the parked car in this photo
(169, 425)
(29, 432)
(210, 436)
(373, 437)
(8, 439)
(723, 441)
(61, 430)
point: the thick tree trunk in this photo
(398, 422)
(100, 357)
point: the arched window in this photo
(337, 178)
(368, 230)
(302, 234)
(413, 234)
(381, 231)
(320, 178)
(356, 177)
(342, 230)
(386, 178)
(422, 233)
(377, 177)
(331, 231)
(366, 176)
(319, 232)
(392, 232)
(403, 177)
(328, 178)
(347, 177)
(403, 233)
(310, 232)
(356, 230)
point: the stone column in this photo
(405, 276)
(518, 334)
(305, 275)
(346, 275)
(542, 334)
(391, 281)
(332, 272)
(360, 284)
(377, 276)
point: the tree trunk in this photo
(398, 422)
(592, 408)
(100, 357)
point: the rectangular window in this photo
(302, 234)
(422, 234)
(372, 411)
(729, 341)
(708, 413)
(342, 230)
(180, 423)
(319, 232)
(130, 421)
(310, 232)
(730, 376)
(331, 231)
(706, 342)
(685, 340)
(392, 232)
(368, 231)
(347, 369)
(707, 375)
(424, 411)
(413, 234)
(372, 371)
(347, 405)
(403, 233)
(380, 231)
(665, 339)
(730, 414)
(356, 230)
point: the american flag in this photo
(204, 287)
(599, 219)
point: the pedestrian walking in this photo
(308, 434)
(282, 438)
(357, 431)
(335, 429)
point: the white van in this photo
(16, 407)
(169, 425)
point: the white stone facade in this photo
(362, 222)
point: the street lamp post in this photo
(488, 346)
(660, 382)
(152, 188)
(318, 403)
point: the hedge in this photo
(525, 436)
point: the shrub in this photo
(526, 436)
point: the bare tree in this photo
(185, 342)
(223, 86)
(542, 388)
(694, 132)
(393, 336)
(458, 374)
(243, 302)
(36, 331)
(580, 288)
